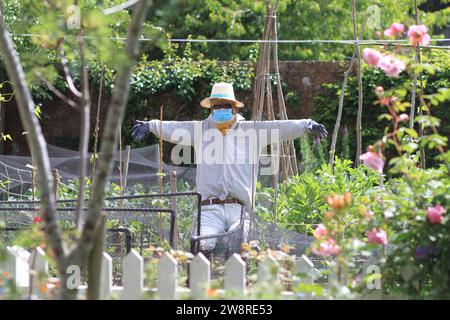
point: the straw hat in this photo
(221, 91)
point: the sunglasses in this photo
(221, 106)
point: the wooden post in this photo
(16, 264)
(132, 276)
(418, 60)
(106, 276)
(360, 87)
(56, 181)
(173, 205)
(127, 164)
(304, 268)
(235, 275)
(167, 277)
(265, 270)
(120, 161)
(161, 148)
(200, 276)
(372, 274)
(95, 261)
(33, 183)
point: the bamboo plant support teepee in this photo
(267, 71)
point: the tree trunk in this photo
(35, 139)
(95, 261)
(78, 256)
(85, 113)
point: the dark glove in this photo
(140, 129)
(317, 130)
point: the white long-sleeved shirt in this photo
(227, 164)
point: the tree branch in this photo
(114, 119)
(36, 142)
(69, 79)
(85, 121)
(57, 93)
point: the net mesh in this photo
(146, 229)
(143, 168)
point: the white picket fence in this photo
(19, 260)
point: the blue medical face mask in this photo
(222, 115)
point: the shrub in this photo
(300, 202)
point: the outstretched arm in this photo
(180, 132)
(292, 129)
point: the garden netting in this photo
(129, 224)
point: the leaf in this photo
(386, 116)
(6, 137)
(37, 111)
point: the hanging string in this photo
(298, 41)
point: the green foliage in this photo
(311, 154)
(300, 203)
(412, 209)
(8, 288)
(408, 272)
(319, 19)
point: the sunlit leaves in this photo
(433, 140)
(442, 95)
(428, 121)
(5, 137)
(38, 111)
(423, 67)
(49, 24)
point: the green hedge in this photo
(180, 76)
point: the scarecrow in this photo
(227, 149)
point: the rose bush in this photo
(403, 223)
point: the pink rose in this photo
(418, 35)
(394, 29)
(435, 214)
(372, 160)
(403, 117)
(377, 236)
(327, 248)
(371, 56)
(391, 65)
(320, 231)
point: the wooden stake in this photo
(173, 205)
(120, 161)
(161, 150)
(420, 86)
(341, 102)
(96, 130)
(56, 181)
(127, 164)
(360, 89)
